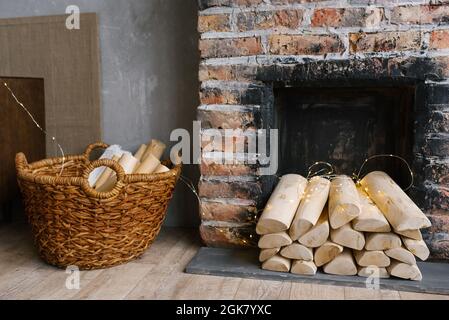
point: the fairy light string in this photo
(37, 124)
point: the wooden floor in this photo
(157, 275)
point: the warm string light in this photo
(37, 124)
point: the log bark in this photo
(326, 253)
(266, 254)
(348, 237)
(371, 258)
(311, 207)
(371, 219)
(141, 152)
(404, 271)
(149, 165)
(319, 234)
(402, 213)
(382, 241)
(277, 263)
(297, 251)
(344, 202)
(342, 265)
(402, 255)
(412, 234)
(373, 271)
(282, 205)
(307, 268)
(274, 240)
(417, 247)
(155, 148)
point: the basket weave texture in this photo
(74, 225)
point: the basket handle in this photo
(115, 166)
(21, 161)
(94, 146)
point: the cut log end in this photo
(277, 263)
(373, 271)
(274, 240)
(343, 265)
(307, 268)
(405, 271)
(297, 251)
(267, 226)
(266, 254)
(326, 253)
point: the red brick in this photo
(217, 189)
(228, 237)
(214, 22)
(244, 95)
(237, 142)
(217, 48)
(226, 119)
(305, 44)
(209, 168)
(204, 4)
(385, 41)
(347, 17)
(423, 14)
(439, 39)
(227, 72)
(226, 212)
(290, 19)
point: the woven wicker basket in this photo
(74, 225)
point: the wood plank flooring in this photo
(157, 275)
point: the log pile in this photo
(343, 228)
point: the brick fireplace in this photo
(260, 57)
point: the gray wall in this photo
(149, 72)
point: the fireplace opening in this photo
(344, 126)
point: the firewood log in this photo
(344, 202)
(371, 219)
(417, 247)
(274, 240)
(311, 207)
(402, 213)
(348, 237)
(319, 234)
(297, 251)
(155, 148)
(373, 271)
(140, 153)
(149, 165)
(382, 241)
(342, 265)
(371, 258)
(326, 253)
(106, 174)
(402, 255)
(128, 163)
(161, 169)
(404, 271)
(412, 234)
(266, 254)
(277, 263)
(307, 268)
(281, 208)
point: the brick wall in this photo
(243, 41)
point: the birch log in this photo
(155, 148)
(307, 268)
(373, 272)
(319, 234)
(404, 271)
(371, 219)
(128, 163)
(412, 234)
(417, 247)
(282, 205)
(311, 207)
(348, 237)
(297, 251)
(402, 213)
(274, 240)
(382, 241)
(140, 153)
(342, 265)
(326, 253)
(106, 174)
(371, 258)
(402, 255)
(266, 254)
(344, 202)
(277, 263)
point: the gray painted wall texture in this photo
(149, 72)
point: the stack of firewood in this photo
(346, 229)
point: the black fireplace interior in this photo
(344, 126)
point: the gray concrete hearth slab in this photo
(244, 263)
